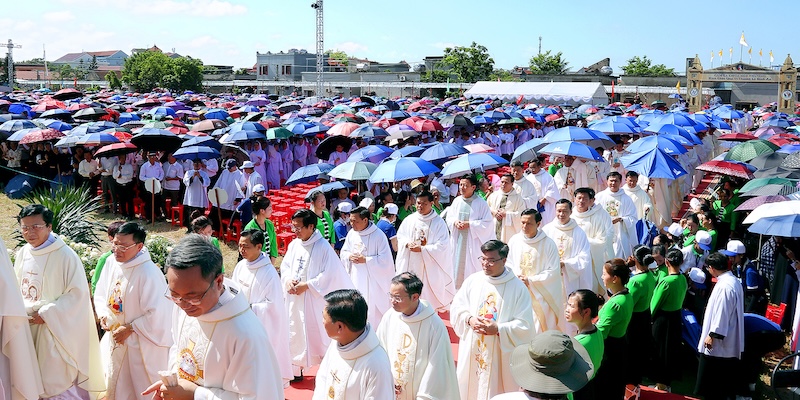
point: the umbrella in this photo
(216, 113)
(91, 113)
(777, 172)
(161, 112)
(299, 128)
(18, 135)
(368, 131)
(396, 114)
(672, 129)
(759, 182)
(769, 160)
(663, 142)
(41, 135)
(196, 152)
(479, 148)
(575, 133)
(308, 173)
(97, 139)
(209, 125)
(371, 153)
(527, 151)
(408, 151)
(59, 125)
(9, 127)
(785, 226)
(653, 164)
(207, 141)
(727, 168)
(241, 136)
(736, 137)
(116, 149)
(246, 126)
(790, 207)
(767, 131)
(575, 149)
(68, 141)
(57, 114)
(425, 125)
(792, 161)
(329, 187)
(456, 120)
(401, 169)
(614, 126)
(442, 151)
(328, 146)
(343, 128)
(778, 122)
(751, 149)
(772, 189)
(278, 133)
(353, 170)
(156, 139)
(469, 162)
(67, 94)
(751, 204)
(238, 153)
(496, 115)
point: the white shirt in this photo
(173, 171)
(151, 171)
(86, 168)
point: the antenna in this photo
(10, 60)
(320, 45)
(540, 45)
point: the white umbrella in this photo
(784, 208)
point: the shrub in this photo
(71, 208)
(159, 248)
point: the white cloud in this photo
(58, 16)
(194, 8)
(351, 48)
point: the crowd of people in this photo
(562, 276)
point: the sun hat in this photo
(552, 363)
(391, 209)
(734, 248)
(703, 240)
(248, 164)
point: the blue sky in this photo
(229, 32)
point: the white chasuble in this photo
(537, 259)
(546, 189)
(574, 250)
(373, 277)
(596, 224)
(619, 205)
(484, 368)
(641, 201)
(466, 243)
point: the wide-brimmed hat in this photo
(248, 164)
(552, 363)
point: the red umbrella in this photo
(178, 130)
(727, 168)
(553, 117)
(196, 133)
(385, 122)
(269, 123)
(751, 204)
(67, 94)
(116, 149)
(343, 129)
(415, 106)
(425, 125)
(123, 136)
(787, 136)
(77, 106)
(411, 120)
(780, 141)
(41, 135)
(737, 137)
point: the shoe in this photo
(297, 378)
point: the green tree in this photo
(113, 80)
(93, 63)
(644, 67)
(338, 55)
(502, 75)
(469, 64)
(242, 71)
(436, 76)
(184, 73)
(151, 69)
(4, 72)
(546, 64)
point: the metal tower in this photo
(320, 46)
(10, 60)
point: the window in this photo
(286, 70)
(263, 70)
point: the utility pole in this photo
(540, 45)
(10, 60)
(46, 74)
(320, 45)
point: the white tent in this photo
(552, 92)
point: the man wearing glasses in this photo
(491, 314)
(220, 349)
(56, 296)
(134, 313)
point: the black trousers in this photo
(715, 376)
(125, 199)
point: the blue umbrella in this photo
(9, 127)
(59, 125)
(299, 128)
(371, 153)
(401, 169)
(672, 129)
(408, 151)
(483, 107)
(216, 113)
(248, 108)
(575, 149)
(317, 128)
(728, 113)
(663, 142)
(780, 122)
(616, 126)
(789, 148)
(469, 162)
(161, 111)
(546, 111)
(196, 152)
(241, 136)
(496, 115)
(57, 113)
(369, 131)
(785, 226)
(97, 139)
(18, 108)
(653, 164)
(18, 135)
(442, 151)
(309, 173)
(128, 117)
(592, 137)
(481, 120)
(206, 141)
(246, 126)
(396, 114)
(527, 151)
(353, 170)
(329, 187)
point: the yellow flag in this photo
(771, 58)
(742, 41)
(750, 51)
(678, 87)
(761, 52)
(712, 56)
(731, 51)
(720, 52)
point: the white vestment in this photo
(373, 277)
(358, 370)
(231, 183)
(261, 286)
(315, 262)
(511, 222)
(641, 201)
(527, 190)
(567, 179)
(596, 223)
(251, 180)
(19, 372)
(52, 280)
(619, 205)
(196, 194)
(484, 367)
(546, 189)
(434, 263)
(598, 173)
(573, 247)
(724, 316)
(537, 259)
(466, 243)
(133, 293)
(224, 352)
(418, 347)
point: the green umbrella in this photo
(750, 149)
(157, 125)
(759, 182)
(511, 121)
(279, 133)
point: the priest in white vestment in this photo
(471, 225)
(56, 296)
(506, 205)
(491, 314)
(622, 211)
(417, 343)
(546, 189)
(251, 178)
(131, 307)
(310, 269)
(423, 243)
(596, 223)
(260, 284)
(196, 182)
(355, 365)
(524, 187)
(573, 249)
(571, 176)
(19, 372)
(534, 259)
(640, 197)
(219, 347)
(367, 257)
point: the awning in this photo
(555, 92)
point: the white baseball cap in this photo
(259, 188)
(345, 207)
(734, 248)
(674, 229)
(703, 240)
(366, 202)
(391, 208)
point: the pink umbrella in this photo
(479, 148)
(41, 135)
(343, 129)
(427, 126)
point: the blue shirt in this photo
(388, 228)
(245, 210)
(340, 229)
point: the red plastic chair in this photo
(284, 238)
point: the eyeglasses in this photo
(35, 227)
(116, 247)
(296, 229)
(485, 260)
(394, 298)
(194, 302)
